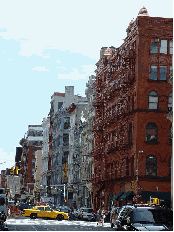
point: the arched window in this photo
(151, 166)
(151, 132)
(153, 100)
(170, 102)
(170, 134)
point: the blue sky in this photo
(46, 45)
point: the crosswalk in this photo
(39, 221)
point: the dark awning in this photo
(126, 196)
(160, 195)
(117, 196)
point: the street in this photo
(39, 224)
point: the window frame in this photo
(162, 47)
(151, 92)
(155, 168)
(154, 72)
(151, 126)
(154, 41)
(160, 67)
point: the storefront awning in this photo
(160, 195)
(117, 196)
(126, 196)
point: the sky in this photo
(46, 45)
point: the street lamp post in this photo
(140, 152)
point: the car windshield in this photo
(144, 216)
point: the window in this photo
(153, 72)
(32, 171)
(151, 132)
(65, 139)
(171, 72)
(151, 166)
(33, 152)
(154, 46)
(163, 72)
(153, 100)
(163, 46)
(170, 134)
(170, 102)
(66, 123)
(171, 46)
(47, 209)
(33, 161)
(40, 208)
(60, 105)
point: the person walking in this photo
(103, 217)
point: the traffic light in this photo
(133, 184)
(12, 170)
(16, 170)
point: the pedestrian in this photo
(103, 217)
(98, 216)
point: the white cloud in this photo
(46, 56)
(40, 68)
(58, 61)
(75, 75)
(62, 68)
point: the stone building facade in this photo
(78, 114)
(132, 149)
(59, 142)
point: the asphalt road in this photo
(39, 224)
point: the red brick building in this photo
(132, 98)
(30, 145)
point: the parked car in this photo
(11, 203)
(114, 215)
(144, 218)
(44, 212)
(87, 214)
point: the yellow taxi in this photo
(44, 212)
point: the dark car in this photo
(144, 219)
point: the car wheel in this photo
(60, 217)
(33, 215)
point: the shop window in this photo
(170, 134)
(151, 132)
(170, 102)
(153, 72)
(154, 46)
(171, 46)
(153, 100)
(151, 166)
(163, 46)
(163, 73)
